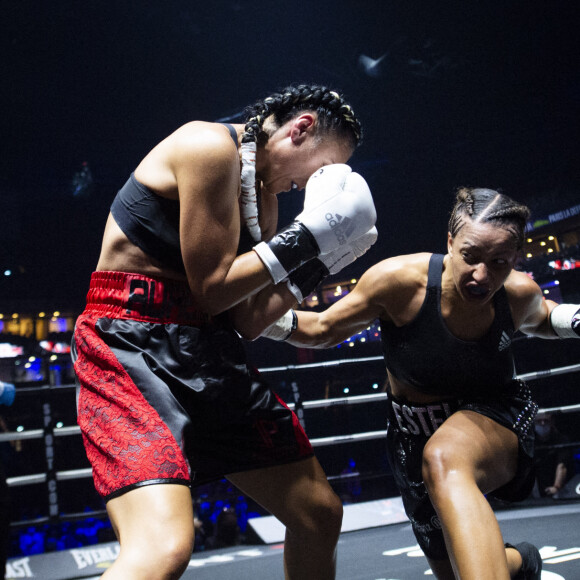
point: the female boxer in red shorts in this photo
(460, 425)
(166, 398)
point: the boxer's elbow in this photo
(248, 323)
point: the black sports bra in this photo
(150, 221)
(426, 355)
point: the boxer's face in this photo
(294, 152)
(482, 257)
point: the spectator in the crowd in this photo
(554, 460)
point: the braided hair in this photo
(489, 206)
(335, 116)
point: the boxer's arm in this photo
(346, 317)
(258, 312)
(206, 169)
(530, 310)
(267, 313)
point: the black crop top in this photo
(150, 221)
(424, 353)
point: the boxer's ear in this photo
(301, 127)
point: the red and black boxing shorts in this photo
(166, 395)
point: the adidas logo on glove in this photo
(343, 227)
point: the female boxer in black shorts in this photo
(166, 397)
(460, 426)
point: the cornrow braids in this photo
(489, 206)
(334, 115)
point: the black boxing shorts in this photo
(409, 429)
(166, 395)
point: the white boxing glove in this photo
(324, 184)
(345, 216)
(321, 228)
(343, 256)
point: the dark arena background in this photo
(449, 93)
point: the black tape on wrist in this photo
(294, 323)
(293, 246)
(308, 276)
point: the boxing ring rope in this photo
(299, 406)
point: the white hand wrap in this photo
(565, 320)
(282, 328)
(249, 198)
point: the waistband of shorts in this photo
(419, 419)
(143, 298)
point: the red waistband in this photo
(139, 297)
